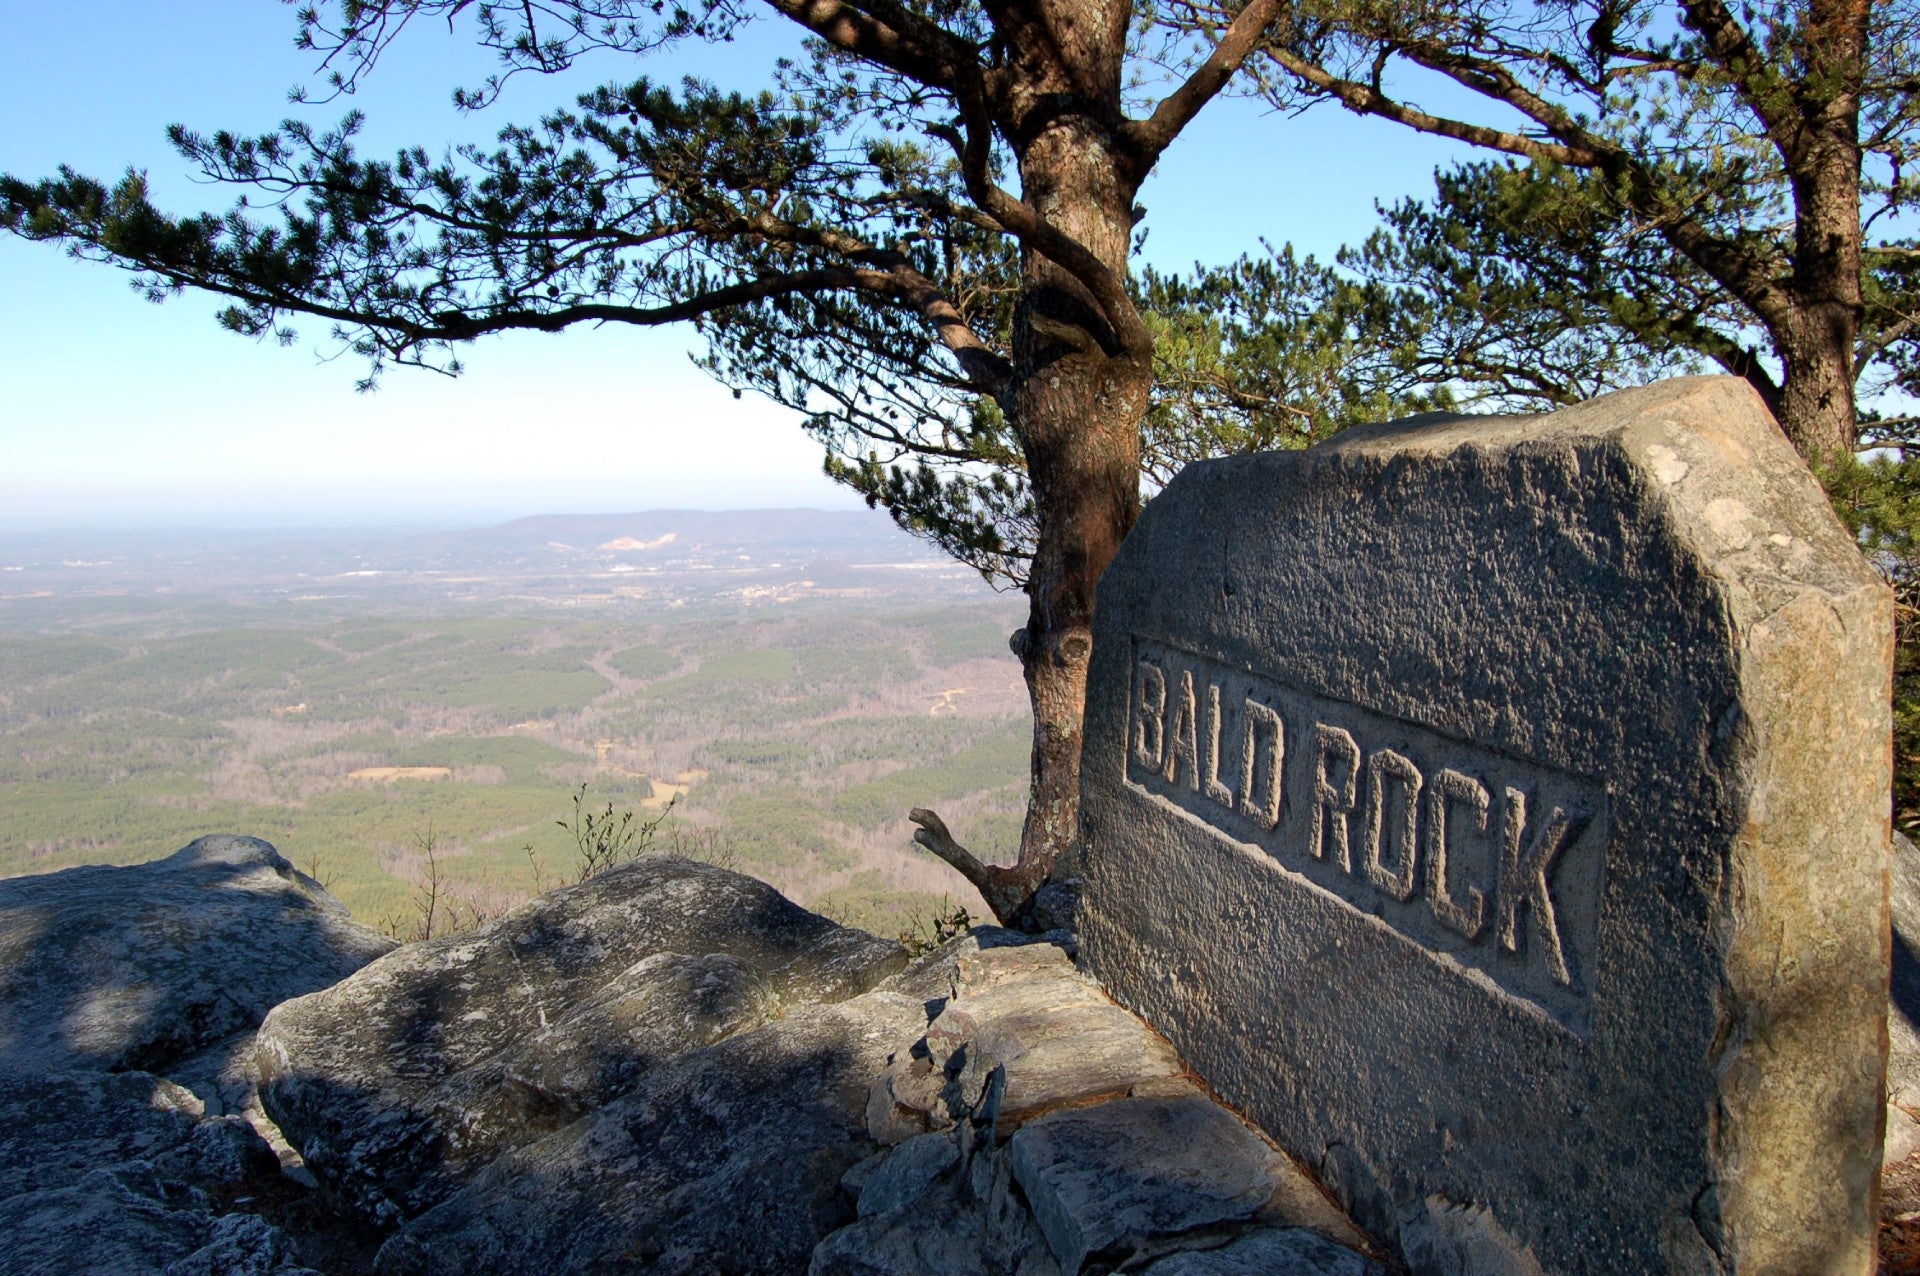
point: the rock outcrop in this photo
(726, 1159)
(1062, 1135)
(668, 1068)
(111, 976)
(148, 966)
(985, 1111)
(403, 1083)
(124, 1172)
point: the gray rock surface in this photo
(1450, 1239)
(55, 1129)
(144, 966)
(1903, 1017)
(668, 1069)
(119, 1221)
(242, 1245)
(1069, 1139)
(970, 1219)
(726, 1158)
(1495, 810)
(1114, 1179)
(1057, 1038)
(752, 1152)
(101, 1224)
(1268, 1251)
(170, 965)
(905, 1173)
(400, 1084)
(121, 1172)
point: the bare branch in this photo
(1367, 100)
(904, 43)
(1005, 890)
(1151, 136)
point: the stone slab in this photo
(1054, 1038)
(1496, 810)
(1111, 1179)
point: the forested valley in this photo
(417, 734)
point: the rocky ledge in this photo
(669, 1068)
(131, 1138)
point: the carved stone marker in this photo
(1497, 811)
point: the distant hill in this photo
(681, 556)
(667, 539)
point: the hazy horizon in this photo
(282, 519)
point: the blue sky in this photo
(119, 412)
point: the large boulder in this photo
(727, 1159)
(402, 1083)
(147, 966)
(1497, 812)
(109, 976)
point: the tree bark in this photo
(1080, 423)
(1813, 315)
(1816, 404)
(1080, 391)
(1817, 341)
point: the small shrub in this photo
(706, 845)
(604, 837)
(926, 932)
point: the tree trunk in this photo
(1817, 131)
(1078, 410)
(1081, 427)
(1816, 404)
(1079, 418)
(1079, 395)
(1817, 340)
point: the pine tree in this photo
(919, 235)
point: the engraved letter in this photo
(1383, 768)
(1254, 716)
(1451, 786)
(1329, 801)
(1149, 717)
(1523, 880)
(1183, 736)
(1215, 790)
